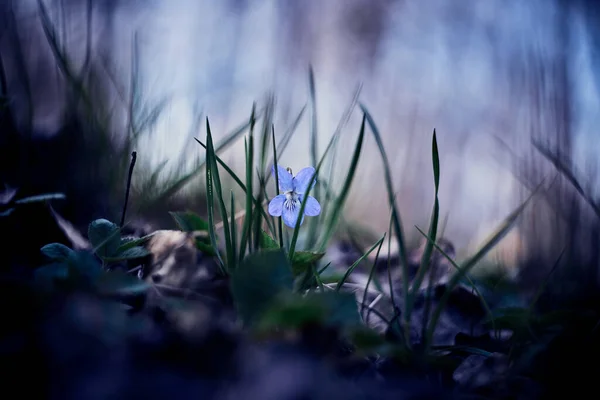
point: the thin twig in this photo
(131, 165)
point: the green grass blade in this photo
(249, 190)
(305, 197)
(237, 180)
(287, 136)
(397, 222)
(357, 262)
(396, 321)
(279, 220)
(214, 174)
(211, 212)
(426, 258)
(566, 171)
(258, 216)
(271, 219)
(341, 199)
(502, 230)
(341, 124)
(313, 135)
(266, 132)
(488, 310)
(175, 186)
(371, 273)
(233, 225)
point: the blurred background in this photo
(84, 83)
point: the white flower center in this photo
(291, 200)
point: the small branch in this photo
(131, 165)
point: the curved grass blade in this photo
(312, 226)
(371, 272)
(502, 230)
(341, 199)
(305, 198)
(426, 258)
(568, 173)
(233, 225)
(397, 222)
(341, 124)
(286, 138)
(174, 187)
(249, 146)
(212, 164)
(279, 223)
(238, 181)
(488, 310)
(210, 202)
(355, 264)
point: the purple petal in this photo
(312, 207)
(285, 178)
(276, 205)
(290, 215)
(303, 178)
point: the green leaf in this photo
(323, 308)
(205, 247)
(83, 265)
(118, 283)
(292, 312)
(303, 260)
(189, 221)
(267, 242)
(258, 280)
(128, 243)
(129, 254)
(367, 339)
(105, 236)
(56, 251)
(47, 275)
(342, 308)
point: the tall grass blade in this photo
(305, 198)
(488, 310)
(175, 186)
(568, 173)
(357, 262)
(211, 212)
(249, 190)
(264, 144)
(237, 180)
(313, 139)
(371, 273)
(279, 220)
(233, 225)
(287, 136)
(216, 181)
(341, 124)
(392, 201)
(495, 238)
(341, 199)
(426, 258)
